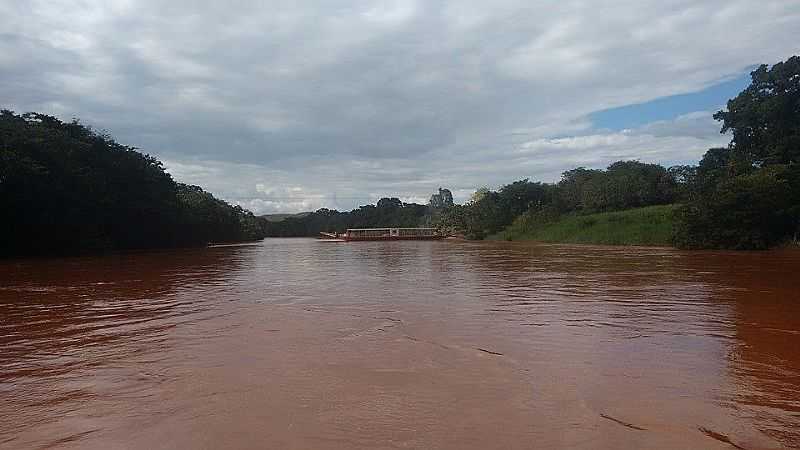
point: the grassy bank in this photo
(641, 226)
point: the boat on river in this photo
(385, 234)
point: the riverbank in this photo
(649, 226)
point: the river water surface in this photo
(300, 344)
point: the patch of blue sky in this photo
(631, 116)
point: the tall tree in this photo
(765, 118)
(748, 194)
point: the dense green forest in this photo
(388, 212)
(66, 189)
(747, 195)
(625, 184)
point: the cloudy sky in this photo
(291, 106)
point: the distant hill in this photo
(281, 217)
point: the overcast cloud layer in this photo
(291, 106)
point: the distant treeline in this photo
(744, 196)
(66, 189)
(624, 185)
(388, 212)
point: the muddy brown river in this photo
(300, 344)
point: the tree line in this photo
(623, 185)
(626, 184)
(747, 195)
(743, 196)
(387, 212)
(66, 188)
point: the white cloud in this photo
(346, 183)
(352, 97)
(682, 140)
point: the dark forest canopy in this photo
(66, 189)
(387, 212)
(747, 195)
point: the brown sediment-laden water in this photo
(299, 344)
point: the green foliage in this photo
(765, 117)
(651, 225)
(624, 185)
(751, 211)
(490, 211)
(452, 220)
(65, 188)
(747, 196)
(388, 212)
(205, 218)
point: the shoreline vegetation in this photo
(745, 196)
(68, 189)
(649, 226)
